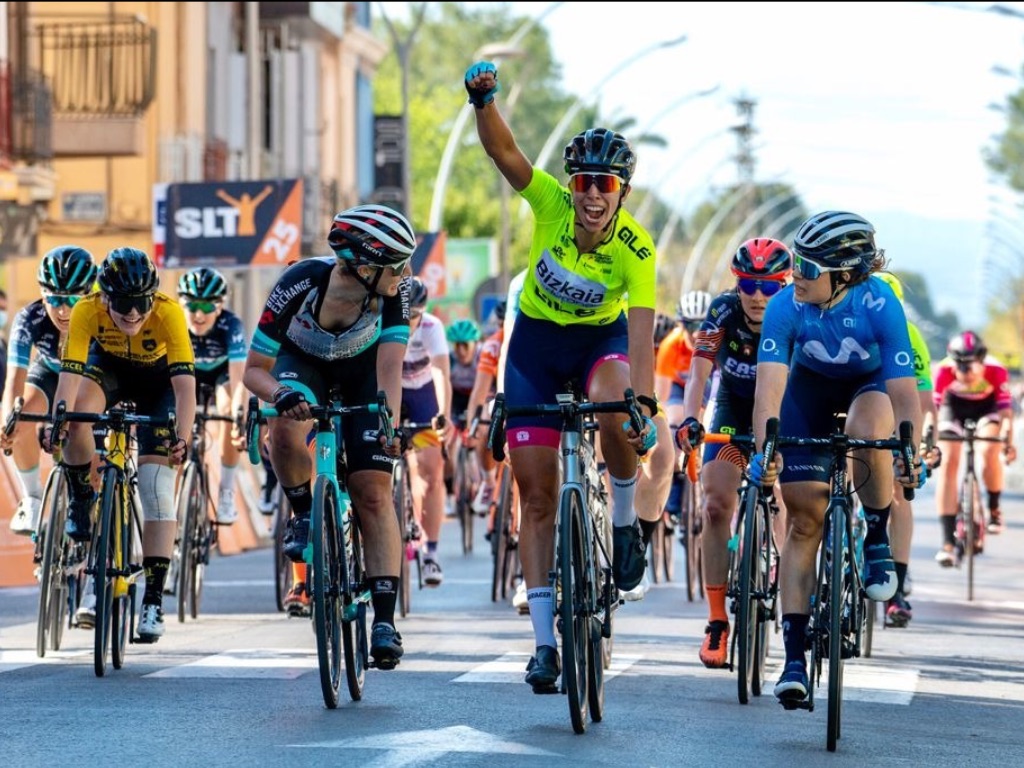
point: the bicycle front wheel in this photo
(574, 618)
(748, 532)
(356, 645)
(53, 586)
(842, 558)
(104, 555)
(327, 572)
(123, 604)
(188, 513)
(969, 504)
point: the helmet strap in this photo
(370, 285)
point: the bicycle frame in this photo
(588, 596)
(838, 603)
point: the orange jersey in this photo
(674, 357)
(490, 353)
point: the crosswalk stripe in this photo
(259, 664)
(511, 667)
(863, 681)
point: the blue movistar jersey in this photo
(866, 332)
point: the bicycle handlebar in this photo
(570, 408)
(838, 440)
(256, 415)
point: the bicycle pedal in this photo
(384, 664)
(145, 639)
(543, 690)
(790, 704)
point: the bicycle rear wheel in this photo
(188, 513)
(104, 559)
(53, 586)
(464, 498)
(356, 644)
(328, 567)
(841, 560)
(574, 619)
(748, 533)
(282, 565)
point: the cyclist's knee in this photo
(156, 492)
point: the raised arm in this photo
(495, 135)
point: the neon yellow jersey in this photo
(922, 359)
(572, 288)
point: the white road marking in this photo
(511, 667)
(11, 660)
(259, 663)
(863, 681)
(423, 747)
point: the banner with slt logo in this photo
(229, 223)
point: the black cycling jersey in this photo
(288, 322)
(726, 339)
(33, 328)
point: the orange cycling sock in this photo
(716, 602)
(298, 573)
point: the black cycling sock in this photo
(647, 529)
(993, 500)
(878, 520)
(300, 498)
(384, 594)
(156, 574)
(78, 480)
(901, 576)
(794, 636)
(948, 529)
(449, 485)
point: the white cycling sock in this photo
(227, 477)
(542, 616)
(623, 492)
(30, 482)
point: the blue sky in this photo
(878, 108)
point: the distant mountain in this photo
(947, 253)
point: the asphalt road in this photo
(240, 687)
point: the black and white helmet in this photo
(372, 234)
(837, 239)
(694, 305)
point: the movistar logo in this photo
(848, 348)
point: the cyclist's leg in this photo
(607, 381)
(159, 512)
(674, 410)
(289, 452)
(488, 466)
(992, 470)
(370, 486)
(901, 529)
(229, 457)
(946, 490)
(807, 411)
(427, 465)
(38, 393)
(870, 417)
(78, 454)
(652, 489)
(720, 478)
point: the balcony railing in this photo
(98, 68)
